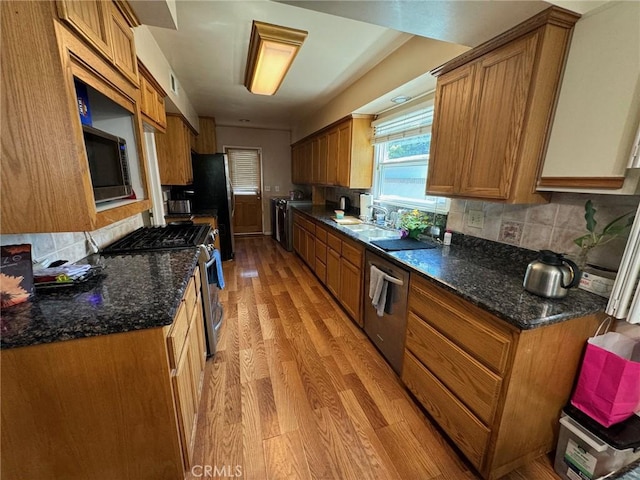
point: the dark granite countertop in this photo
(488, 274)
(132, 292)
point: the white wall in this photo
(276, 160)
(150, 54)
(411, 60)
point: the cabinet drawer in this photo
(190, 297)
(352, 253)
(178, 335)
(474, 384)
(334, 242)
(309, 226)
(321, 251)
(321, 234)
(468, 433)
(474, 330)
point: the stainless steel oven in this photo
(283, 220)
(210, 264)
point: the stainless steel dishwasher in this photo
(387, 332)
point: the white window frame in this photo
(428, 203)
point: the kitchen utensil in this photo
(179, 206)
(344, 203)
(551, 275)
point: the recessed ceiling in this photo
(208, 54)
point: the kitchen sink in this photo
(373, 232)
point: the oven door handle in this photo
(210, 262)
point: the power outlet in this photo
(475, 218)
(277, 188)
(267, 188)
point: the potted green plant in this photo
(414, 222)
(593, 238)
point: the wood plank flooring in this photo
(296, 390)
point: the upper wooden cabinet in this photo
(174, 152)
(106, 27)
(340, 154)
(205, 142)
(598, 111)
(493, 111)
(152, 100)
(46, 184)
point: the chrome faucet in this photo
(381, 209)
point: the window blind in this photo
(244, 166)
(417, 122)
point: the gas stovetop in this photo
(148, 239)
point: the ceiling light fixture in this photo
(272, 49)
(400, 99)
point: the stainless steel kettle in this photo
(551, 275)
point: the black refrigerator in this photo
(212, 189)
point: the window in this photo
(402, 143)
(244, 169)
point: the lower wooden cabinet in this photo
(120, 406)
(497, 391)
(336, 260)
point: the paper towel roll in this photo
(366, 200)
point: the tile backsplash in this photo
(71, 246)
(550, 226)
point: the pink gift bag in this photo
(608, 388)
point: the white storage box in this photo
(582, 455)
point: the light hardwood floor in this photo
(297, 391)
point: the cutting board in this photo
(346, 220)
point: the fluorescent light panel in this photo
(272, 49)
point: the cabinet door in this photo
(174, 153)
(148, 95)
(161, 114)
(332, 156)
(90, 19)
(350, 289)
(344, 154)
(450, 131)
(315, 161)
(310, 252)
(322, 159)
(307, 163)
(123, 47)
(184, 395)
(499, 103)
(333, 272)
(297, 239)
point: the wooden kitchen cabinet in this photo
(47, 186)
(152, 104)
(495, 390)
(174, 152)
(493, 110)
(340, 154)
(336, 260)
(206, 138)
(106, 27)
(121, 406)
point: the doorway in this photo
(245, 170)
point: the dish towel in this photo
(217, 276)
(378, 288)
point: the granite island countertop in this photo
(132, 292)
(488, 274)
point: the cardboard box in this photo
(598, 282)
(16, 274)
